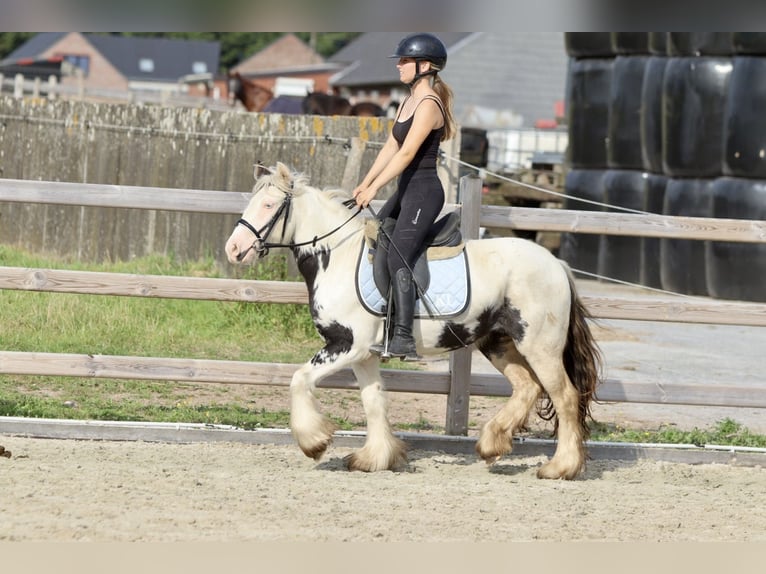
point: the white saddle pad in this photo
(447, 295)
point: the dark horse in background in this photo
(258, 98)
(321, 104)
(253, 95)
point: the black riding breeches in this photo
(415, 206)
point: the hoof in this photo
(315, 445)
(357, 461)
(551, 471)
(316, 450)
(493, 444)
(393, 457)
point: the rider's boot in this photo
(402, 344)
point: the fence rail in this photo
(518, 218)
(687, 310)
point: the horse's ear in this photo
(259, 170)
(284, 173)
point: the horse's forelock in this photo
(287, 182)
(294, 183)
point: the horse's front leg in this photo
(382, 450)
(311, 429)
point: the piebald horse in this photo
(524, 315)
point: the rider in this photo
(423, 120)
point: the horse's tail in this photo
(582, 358)
(583, 361)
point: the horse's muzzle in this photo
(260, 251)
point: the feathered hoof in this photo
(314, 445)
(492, 445)
(554, 471)
(366, 461)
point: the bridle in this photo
(260, 244)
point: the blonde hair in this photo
(445, 95)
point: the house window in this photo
(146, 65)
(77, 61)
(199, 67)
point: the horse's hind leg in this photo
(496, 438)
(569, 458)
(311, 429)
(382, 450)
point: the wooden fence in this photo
(458, 383)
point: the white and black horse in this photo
(523, 314)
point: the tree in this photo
(9, 41)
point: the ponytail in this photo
(445, 95)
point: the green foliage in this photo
(726, 432)
(153, 327)
(101, 406)
(9, 41)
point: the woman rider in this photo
(423, 120)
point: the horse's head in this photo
(252, 95)
(266, 216)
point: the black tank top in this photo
(425, 157)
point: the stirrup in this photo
(382, 352)
(410, 354)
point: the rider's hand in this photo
(364, 196)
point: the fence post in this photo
(353, 164)
(18, 86)
(460, 360)
(52, 87)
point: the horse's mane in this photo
(297, 183)
(337, 193)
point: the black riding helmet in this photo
(423, 47)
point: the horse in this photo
(321, 104)
(367, 109)
(253, 96)
(524, 315)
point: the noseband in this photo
(262, 247)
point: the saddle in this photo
(445, 232)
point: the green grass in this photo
(726, 432)
(71, 323)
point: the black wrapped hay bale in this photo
(630, 43)
(745, 119)
(694, 98)
(682, 261)
(620, 255)
(700, 44)
(658, 43)
(651, 114)
(581, 250)
(737, 270)
(654, 197)
(623, 148)
(749, 42)
(588, 93)
(588, 44)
